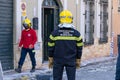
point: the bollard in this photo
(118, 40)
(1, 72)
(117, 76)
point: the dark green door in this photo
(48, 27)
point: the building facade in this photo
(116, 24)
(95, 26)
(91, 17)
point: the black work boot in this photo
(18, 69)
(33, 69)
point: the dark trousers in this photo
(24, 52)
(58, 70)
(118, 65)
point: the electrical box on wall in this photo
(35, 23)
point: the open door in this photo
(50, 21)
(48, 27)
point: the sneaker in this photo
(32, 70)
(18, 70)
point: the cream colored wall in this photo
(96, 51)
(72, 7)
(75, 9)
(115, 23)
(31, 8)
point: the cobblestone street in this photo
(99, 71)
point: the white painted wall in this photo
(17, 20)
(65, 4)
(97, 19)
(110, 17)
(39, 20)
(82, 18)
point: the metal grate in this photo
(103, 22)
(89, 22)
(6, 34)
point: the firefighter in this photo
(117, 73)
(65, 48)
(26, 45)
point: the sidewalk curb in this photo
(97, 61)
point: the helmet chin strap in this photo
(26, 27)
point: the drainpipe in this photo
(76, 12)
(87, 21)
(111, 17)
(112, 33)
(1, 72)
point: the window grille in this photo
(49, 3)
(118, 2)
(103, 22)
(89, 22)
(118, 5)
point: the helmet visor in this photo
(25, 26)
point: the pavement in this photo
(97, 60)
(46, 74)
(104, 70)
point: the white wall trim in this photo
(77, 2)
(97, 19)
(82, 19)
(65, 4)
(18, 20)
(39, 20)
(110, 31)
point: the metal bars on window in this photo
(54, 5)
(89, 22)
(49, 3)
(103, 21)
(118, 5)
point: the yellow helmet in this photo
(27, 23)
(66, 17)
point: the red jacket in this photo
(27, 38)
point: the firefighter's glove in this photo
(78, 61)
(50, 65)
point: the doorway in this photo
(48, 27)
(50, 21)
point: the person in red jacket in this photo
(27, 42)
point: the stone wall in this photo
(96, 50)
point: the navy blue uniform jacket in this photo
(65, 45)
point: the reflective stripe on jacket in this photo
(65, 44)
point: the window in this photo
(118, 2)
(118, 5)
(103, 22)
(49, 3)
(89, 22)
